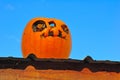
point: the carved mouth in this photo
(50, 33)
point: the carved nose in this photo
(50, 33)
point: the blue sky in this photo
(94, 25)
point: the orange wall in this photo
(32, 74)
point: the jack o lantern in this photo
(46, 38)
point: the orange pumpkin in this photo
(46, 38)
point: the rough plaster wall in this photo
(32, 74)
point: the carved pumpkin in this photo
(46, 38)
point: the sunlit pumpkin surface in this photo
(46, 38)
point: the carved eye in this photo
(65, 28)
(39, 26)
(52, 24)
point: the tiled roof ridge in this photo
(59, 64)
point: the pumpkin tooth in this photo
(50, 33)
(64, 37)
(42, 36)
(60, 34)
